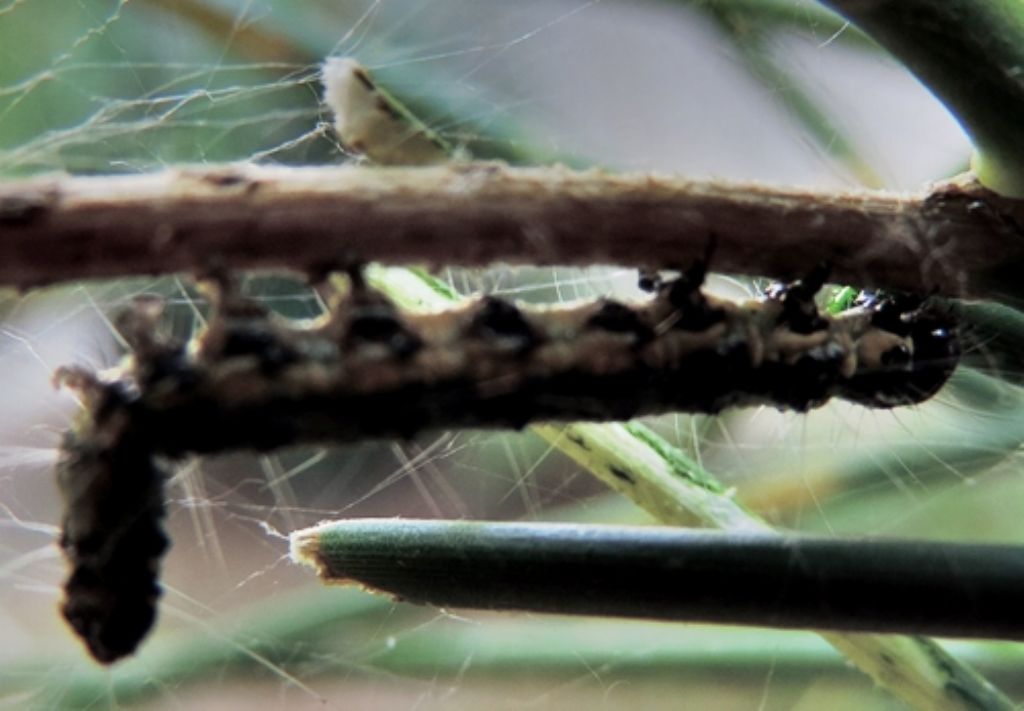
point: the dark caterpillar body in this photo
(112, 534)
(369, 370)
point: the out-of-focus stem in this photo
(762, 579)
(970, 53)
(747, 34)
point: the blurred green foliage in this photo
(109, 86)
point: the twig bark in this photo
(958, 239)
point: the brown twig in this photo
(957, 239)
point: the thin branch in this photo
(958, 239)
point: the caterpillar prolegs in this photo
(367, 369)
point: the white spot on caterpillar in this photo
(874, 345)
(371, 122)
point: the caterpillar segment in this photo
(368, 369)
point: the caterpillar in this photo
(369, 370)
(111, 530)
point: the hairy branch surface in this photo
(956, 239)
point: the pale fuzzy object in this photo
(372, 123)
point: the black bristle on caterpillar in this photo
(369, 370)
(799, 310)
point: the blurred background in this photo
(776, 91)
